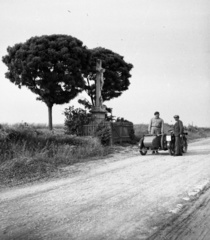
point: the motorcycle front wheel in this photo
(171, 149)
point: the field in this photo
(32, 152)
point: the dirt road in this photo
(117, 198)
(193, 223)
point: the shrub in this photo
(75, 119)
(103, 132)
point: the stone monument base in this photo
(98, 114)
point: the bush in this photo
(103, 132)
(75, 119)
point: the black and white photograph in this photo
(105, 120)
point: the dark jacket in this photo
(178, 128)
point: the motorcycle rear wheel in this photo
(185, 146)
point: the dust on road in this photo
(115, 198)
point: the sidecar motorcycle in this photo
(164, 142)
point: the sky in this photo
(167, 41)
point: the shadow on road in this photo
(188, 154)
(197, 152)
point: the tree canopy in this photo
(50, 66)
(58, 67)
(117, 73)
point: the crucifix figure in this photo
(99, 110)
(99, 84)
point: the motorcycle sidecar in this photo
(152, 142)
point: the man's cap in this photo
(176, 116)
(156, 113)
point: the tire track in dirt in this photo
(193, 222)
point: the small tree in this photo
(50, 66)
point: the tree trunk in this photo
(50, 125)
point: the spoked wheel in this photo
(142, 148)
(184, 146)
(171, 149)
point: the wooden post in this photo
(111, 135)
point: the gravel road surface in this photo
(127, 196)
(193, 223)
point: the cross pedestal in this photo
(98, 115)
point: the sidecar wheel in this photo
(142, 148)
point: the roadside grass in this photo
(28, 154)
(32, 152)
(195, 133)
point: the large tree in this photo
(117, 74)
(50, 66)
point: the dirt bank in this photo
(116, 198)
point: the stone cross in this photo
(99, 84)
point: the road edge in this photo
(185, 207)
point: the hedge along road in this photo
(127, 196)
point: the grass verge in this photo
(28, 154)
